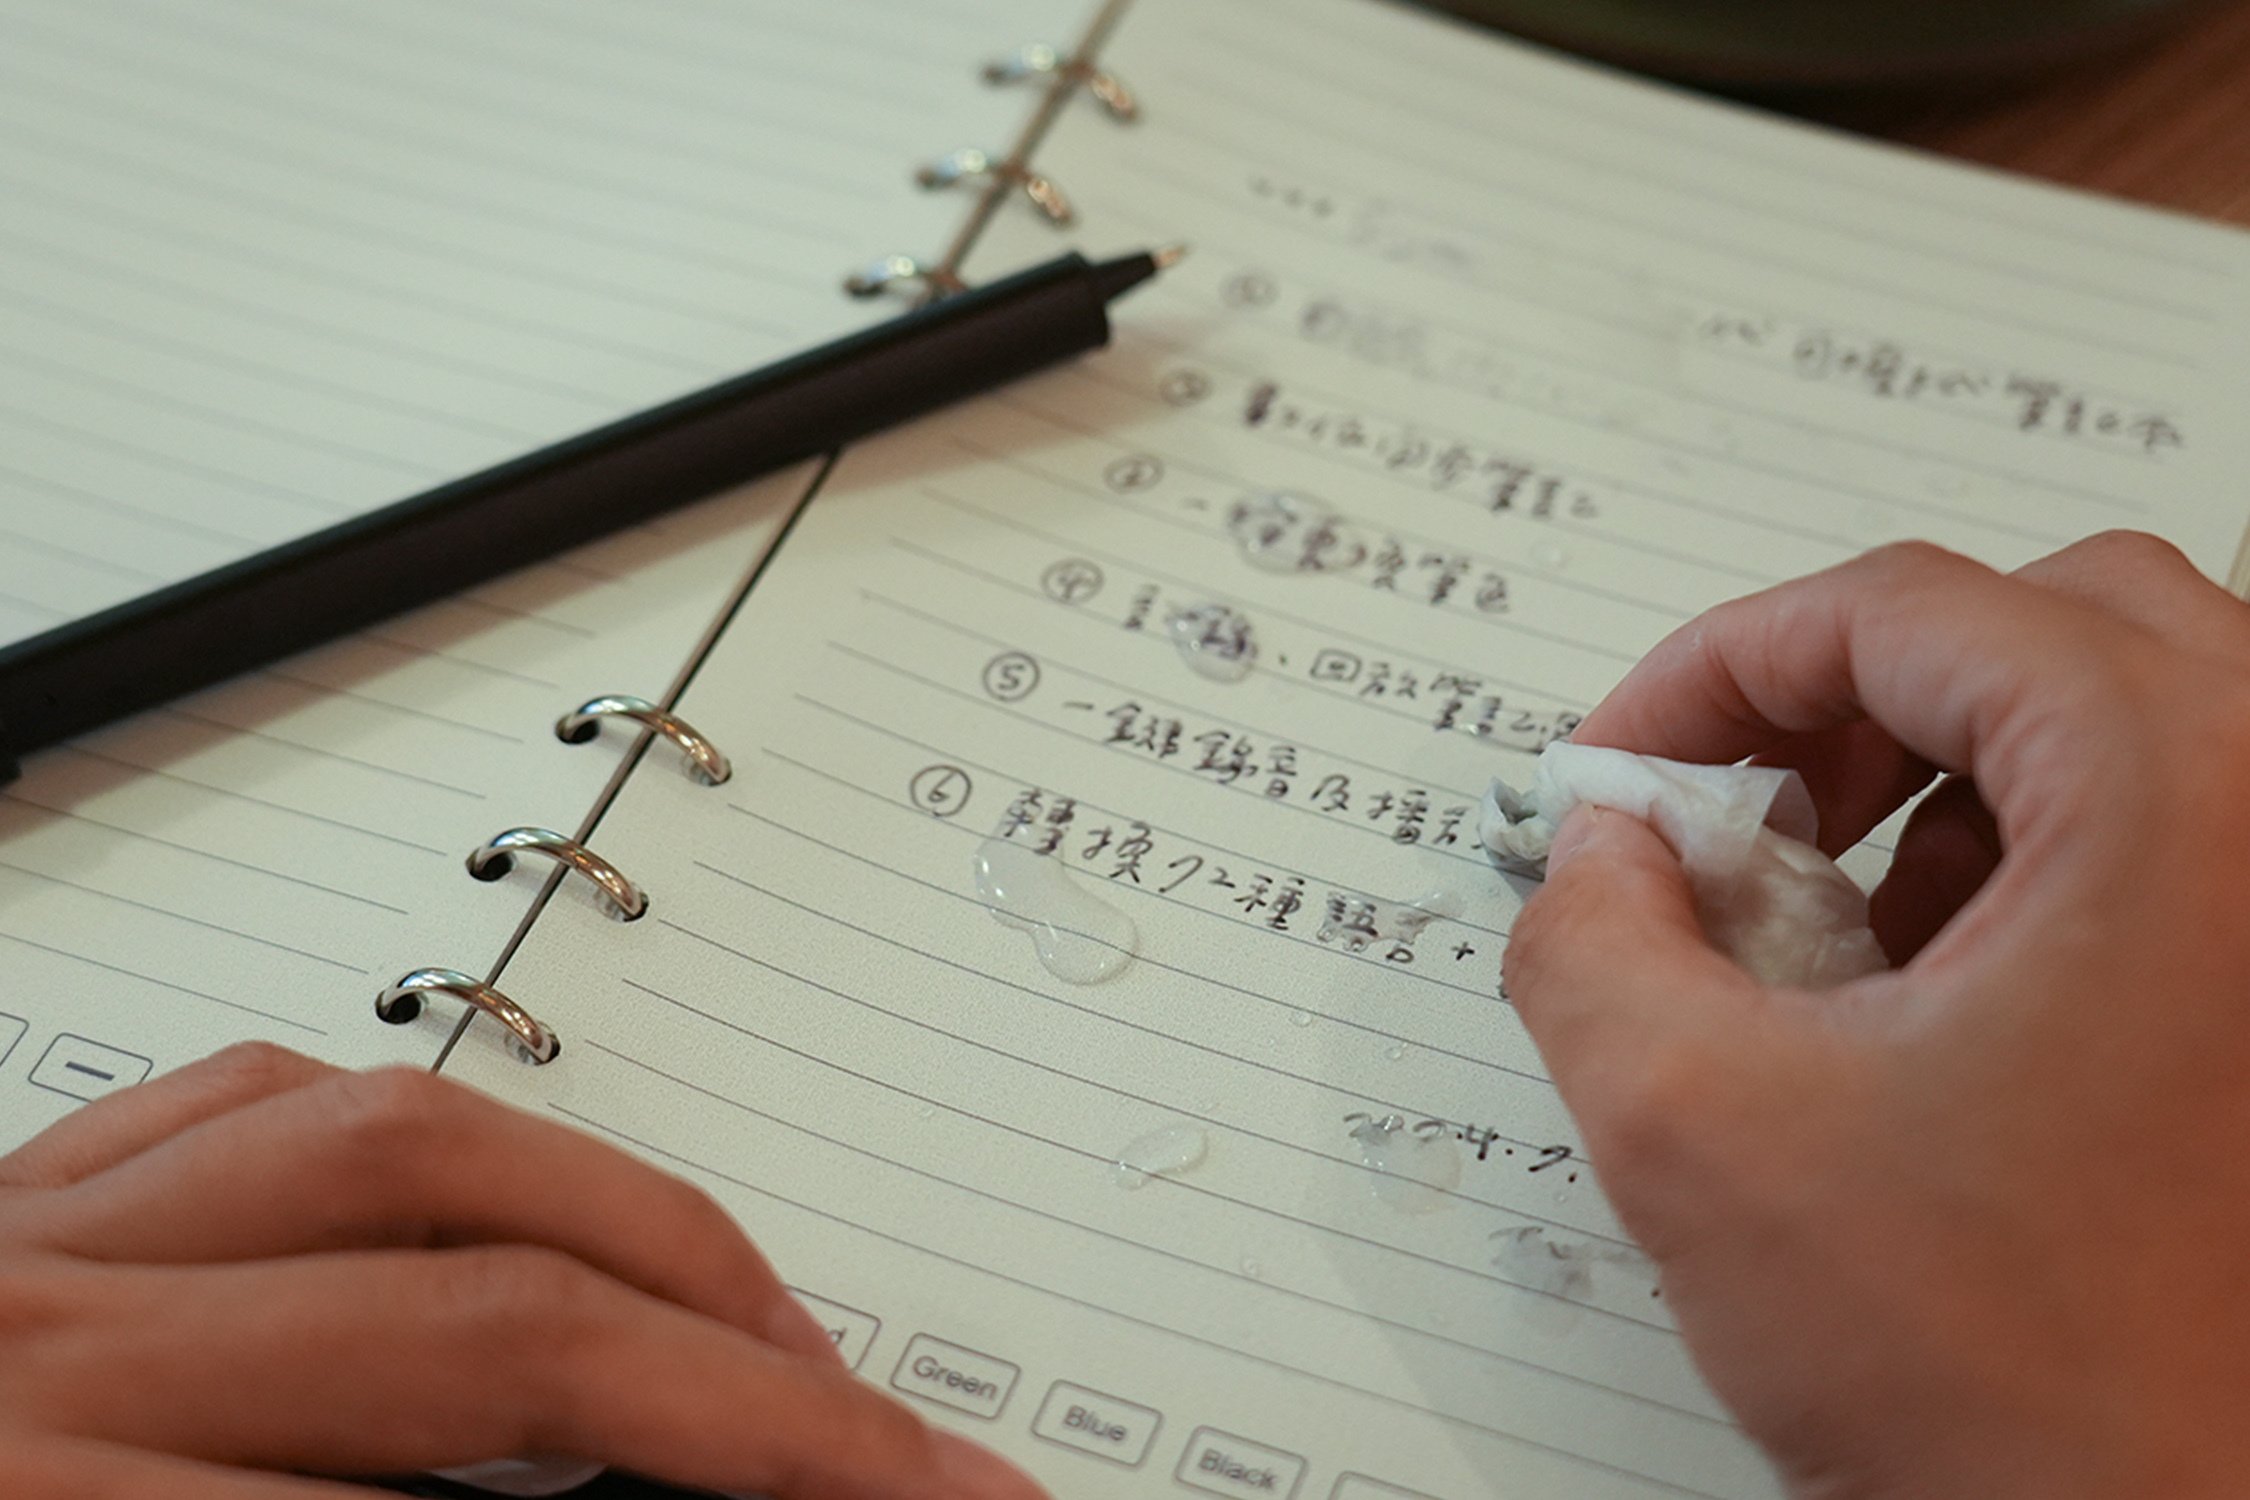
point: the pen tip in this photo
(1169, 256)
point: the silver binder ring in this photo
(705, 762)
(969, 164)
(880, 276)
(494, 858)
(527, 1038)
(1041, 60)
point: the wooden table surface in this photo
(2165, 122)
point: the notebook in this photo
(266, 266)
(1086, 985)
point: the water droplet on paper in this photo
(1080, 937)
(1251, 1268)
(1415, 1169)
(1557, 1261)
(1394, 1052)
(1288, 533)
(1216, 640)
(926, 1112)
(1300, 1018)
(1549, 555)
(1160, 1153)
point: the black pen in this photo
(312, 590)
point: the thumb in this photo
(1610, 970)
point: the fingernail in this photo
(980, 1473)
(1577, 826)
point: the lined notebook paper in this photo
(1487, 371)
(267, 266)
(257, 861)
(272, 266)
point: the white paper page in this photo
(266, 266)
(1780, 343)
(259, 860)
(920, 1121)
(1540, 449)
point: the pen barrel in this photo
(333, 582)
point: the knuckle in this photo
(703, 1215)
(1912, 558)
(517, 1296)
(255, 1068)
(2129, 554)
(386, 1113)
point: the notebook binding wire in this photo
(997, 178)
(1001, 176)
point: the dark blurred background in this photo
(2149, 99)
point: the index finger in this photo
(1971, 670)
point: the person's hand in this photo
(260, 1267)
(1978, 1228)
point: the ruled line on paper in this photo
(1463, 804)
(76, 557)
(341, 332)
(16, 795)
(1104, 1160)
(1678, 227)
(1343, 1095)
(160, 461)
(133, 334)
(1356, 1169)
(426, 55)
(1638, 488)
(477, 601)
(1175, 767)
(1625, 540)
(1232, 725)
(231, 794)
(165, 984)
(251, 250)
(454, 659)
(1159, 644)
(1496, 622)
(1391, 652)
(315, 690)
(1718, 457)
(380, 229)
(1489, 335)
(322, 111)
(230, 730)
(178, 916)
(1290, 1007)
(718, 51)
(1483, 997)
(987, 1271)
(1706, 453)
(1480, 996)
(214, 414)
(141, 515)
(712, 51)
(1534, 81)
(1025, 464)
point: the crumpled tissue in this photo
(1745, 836)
